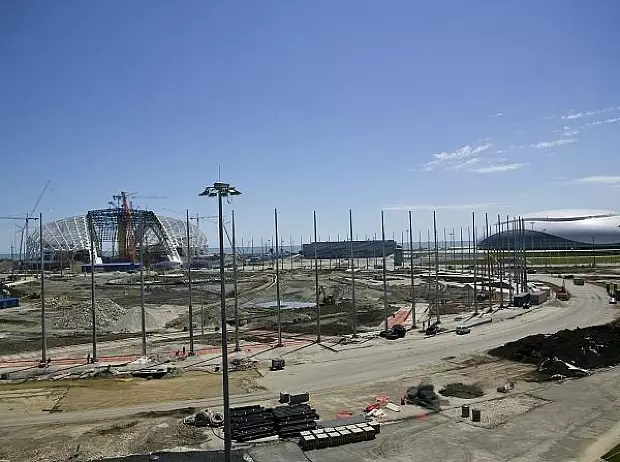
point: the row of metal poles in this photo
(494, 264)
(220, 190)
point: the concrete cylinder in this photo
(475, 415)
(465, 411)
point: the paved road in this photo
(588, 306)
(574, 421)
(324, 369)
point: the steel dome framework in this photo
(117, 235)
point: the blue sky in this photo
(488, 106)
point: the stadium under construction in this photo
(119, 235)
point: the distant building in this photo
(559, 230)
(342, 249)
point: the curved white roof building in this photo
(560, 229)
(117, 235)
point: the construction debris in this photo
(506, 387)
(423, 395)
(462, 390)
(571, 353)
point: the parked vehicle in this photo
(462, 330)
(612, 301)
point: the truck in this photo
(579, 281)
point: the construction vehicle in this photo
(325, 299)
(562, 293)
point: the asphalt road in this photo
(326, 370)
(588, 306)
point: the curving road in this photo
(588, 306)
(315, 368)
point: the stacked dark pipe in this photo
(254, 422)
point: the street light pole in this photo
(385, 300)
(189, 286)
(278, 281)
(413, 323)
(43, 330)
(218, 190)
(234, 251)
(316, 284)
(352, 275)
(92, 295)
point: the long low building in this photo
(558, 230)
(342, 249)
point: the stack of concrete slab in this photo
(335, 436)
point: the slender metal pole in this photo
(316, 284)
(413, 323)
(225, 391)
(462, 253)
(278, 281)
(501, 275)
(42, 275)
(437, 302)
(489, 268)
(234, 251)
(475, 252)
(508, 240)
(385, 299)
(93, 306)
(189, 286)
(352, 274)
(142, 309)
(445, 248)
(291, 249)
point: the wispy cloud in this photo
(498, 114)
(572, 115)
(483, 205)
(568, 131)
(457, 159)
(499, 168)
(552, 144)
(601, 122)
(600, 179)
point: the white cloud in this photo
(568, 131)
(601, 122)
(552, 144)
(442, 207)
(600, 179)
(457, 159)
(578, 115)
(460, 153)
(498, 114)
(499, 168)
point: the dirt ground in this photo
(137, 434)
(163, 430)
(33, 397)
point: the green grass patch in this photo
(613, 455)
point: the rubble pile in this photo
(462, 390)
(423, 395)
(72, 314)
(570, 352)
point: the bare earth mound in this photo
(462, 390)
(588, 348)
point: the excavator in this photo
(325, 299)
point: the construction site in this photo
(111, 346)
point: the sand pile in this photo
(132, 321)
(76, 314)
